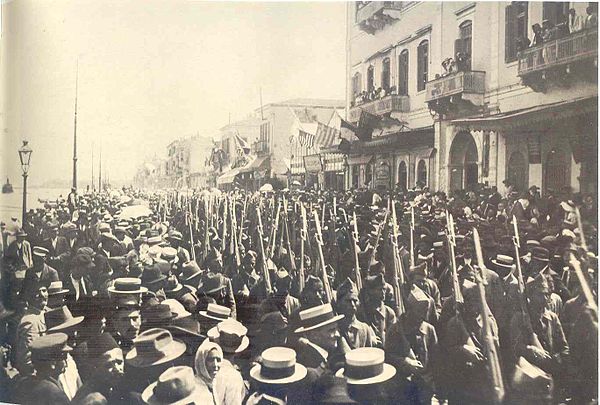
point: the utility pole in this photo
(93, 184)
(75, 130)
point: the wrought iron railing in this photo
(391, 103)
(367, 10)
(577, 46)
(472, 82)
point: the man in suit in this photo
(49, 355)
(17, 259)
(58, 248)
(78, 282)
(40, 270)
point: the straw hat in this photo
(366, 365)
(127, 285)
(230, 335)
(316, 317)
(278, 366)
(216, 312)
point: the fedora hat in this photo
(366, 365)
(316, 317)
(52, 346)
(278, 366)
(175, 386)
(152, 274)
(230, 335)
(189, 272)
(157, 314)
(97, 345)
(127, 285)
(177, 308)
(58, 319)
(187, 325)
(216, 312)
(56, 287)
(211, 283)
(154, 346)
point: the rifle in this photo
(271, 248)
(266, 274)
(585, 287)
(412, 236)
(206, 237)
(192, 247)
(224, 234)
(303, 236)
(379, 232)
(458, 298)
(242, 219)
(233, 247)
(534, 340)
(319, 239)
(355, 237)
(287, 236)
(398, 281)
(489, 342)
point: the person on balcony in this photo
(576, 22)
(591, 20)
(538, 38)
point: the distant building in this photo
(478, 105)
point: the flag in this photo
(325, 135)
(305, 138)
(348, 131)
(366, 123)
(241, 146)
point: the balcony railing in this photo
(575, 47)
(391, 103)
(470, 82)
(371, 8)
(374, 15)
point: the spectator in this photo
(576, 22)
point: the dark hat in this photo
(190, 272)
(333, 390)
(152, 274)
(154, 346)
(97, 345)
(157, 314)
(49, 347)
(31, 286)
(212, 282)
(419, 269)
(541, 254)
(185, 326)
(58, 319)
(347, 288)
(375, 281)
(538, 284)
(83, 261)
(313, 283)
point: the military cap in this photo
(347, 288)
(375, 281)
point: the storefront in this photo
(333, 167)
(551, 146)
(314, 169)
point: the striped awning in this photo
(333, 162)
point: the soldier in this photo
(356, 333)
(372, 309)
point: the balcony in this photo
(575, 55)
(387, 104)
(456, 93)
(374, 15)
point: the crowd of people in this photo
(301, 297)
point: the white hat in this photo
(315, 317)
(216, 312)
(177, 308)
(366, 365)
(278, 366)
(230, 335)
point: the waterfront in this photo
(11, 204)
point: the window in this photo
(385, 74)
(422, 174)
(555, 12)
(515, 31)
(403, 73)
(422, 64)
(356, 84)
(370, 78)
(463, 46)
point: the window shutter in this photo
(510, 33)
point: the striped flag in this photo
(325, 135)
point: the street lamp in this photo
(25, 156)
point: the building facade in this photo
(476, 100)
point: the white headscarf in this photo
(200, 360)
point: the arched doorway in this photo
(368, 175)
(422, 174)
(464, 171)
(403, 176)
(518, 171)
(557, 171)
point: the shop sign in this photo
(312, 164)
(534, 148)
(382, 173)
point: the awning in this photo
(256, 164)
(333, 162)
(545, 113)
(359, 160)
(313, 164)
(228, 177)
(403, 140)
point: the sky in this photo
(151, 72)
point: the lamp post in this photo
(25, 157)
